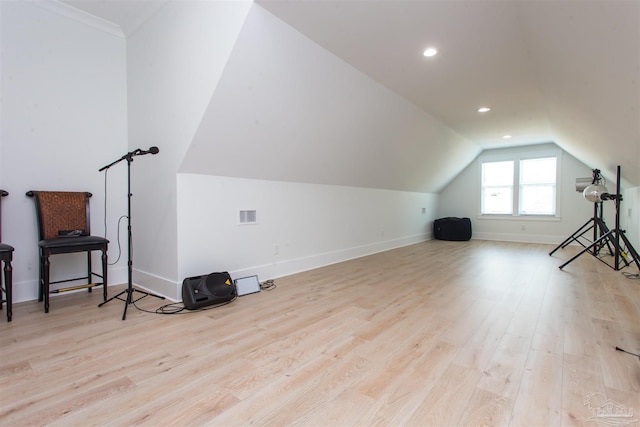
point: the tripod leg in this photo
(126, 304)
(588, 248)
(603, 231)
(574, 236)
(111, 299)
(631, 250)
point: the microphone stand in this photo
(130, 289)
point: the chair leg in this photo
(40, 278)
(8, 283)
(104, 274)
(2, 289)
(45, 281)
(89, 270)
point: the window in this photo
(497, 188)
(538, 186)
(534, 179)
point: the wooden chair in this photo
(6, 256)
(63, 227)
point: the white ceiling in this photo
(562, 71)
(129, 15)
(482, 59)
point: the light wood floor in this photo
(438, 333)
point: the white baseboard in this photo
(173, 290)
(519, 238)
(157, 285)
(297, 265)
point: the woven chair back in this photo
(61, 211)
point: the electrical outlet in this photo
(276, 250)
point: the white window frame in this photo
(517, 156)
(511, 187)
(522, 186)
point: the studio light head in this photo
(595, 191)
(598, 193)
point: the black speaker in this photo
(207, 290)
(452, 228)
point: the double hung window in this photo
(519, 187)
(497, 187)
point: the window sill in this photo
(542, 218)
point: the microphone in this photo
(129, 156)
(151, 150)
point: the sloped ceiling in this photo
(561, 71)
(285, 109)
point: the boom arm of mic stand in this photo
(128, 157)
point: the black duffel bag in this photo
(452, 228)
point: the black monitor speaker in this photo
(208, 290)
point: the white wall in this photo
(461, 198)
(63, 117)
(630, 215)
(76, 100)
(300, 226)
(174, 63)
(286, 109)
(170, 86)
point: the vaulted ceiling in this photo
(560, 71)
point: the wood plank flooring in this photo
(435, 334)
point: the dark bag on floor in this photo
(206, 290)
(452, 228)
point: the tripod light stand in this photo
(596, 223)
(597, 193)
(130, 289)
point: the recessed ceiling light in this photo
(506, 136)
(484, 109)
(430, 52)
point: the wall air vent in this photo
(248, 216)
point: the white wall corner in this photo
(157, 285)
(80, 16)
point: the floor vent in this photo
(248, 217)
